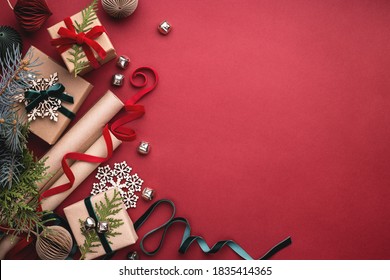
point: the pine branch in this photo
(19, 170)
(13, 129)
(15, 76)
(105, 211)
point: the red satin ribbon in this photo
(69, 37)
(133, 112)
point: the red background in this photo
(271, 119)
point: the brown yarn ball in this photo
(54, 244)
(119, 8)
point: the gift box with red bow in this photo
(82, 42)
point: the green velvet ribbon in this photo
(56, 91)
(189, 239)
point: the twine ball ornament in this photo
(54, 244)
(119, 8)
(10, 39)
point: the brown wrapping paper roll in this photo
(81, 136)
(81, 170)
(78, 211)
(6, 244)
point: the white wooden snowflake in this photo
(47, 108)
(121, 179)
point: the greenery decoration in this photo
(19, 204)
(105, 211)
(19, 170)
(78, 55)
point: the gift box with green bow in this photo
(53, 98)
(100, 224)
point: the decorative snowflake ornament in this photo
(46, 108)
(121, 179)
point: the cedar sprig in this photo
(77, 53)
(91, 241)
(88, 15)
(19, 204)
(77, 59)
(105, 211)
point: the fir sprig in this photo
(105, 211)
(19, 170)
(77, 53)
(13, 129)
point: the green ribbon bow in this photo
(57, 91)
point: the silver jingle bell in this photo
(117, 80)
(123, 61)
(144, 148)
(31, 76)
(133, 256)
(147, 194)
(102, 227)
(89, 223)
(164, 27)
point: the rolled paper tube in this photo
(81, 171)
(6, 244)
(81, 136)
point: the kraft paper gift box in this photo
(103, 40)
(120, 233)
(45, 128)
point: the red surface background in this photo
(271, 119)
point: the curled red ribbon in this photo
(69, 37)
(134, 111)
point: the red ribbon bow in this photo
(69, 37)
